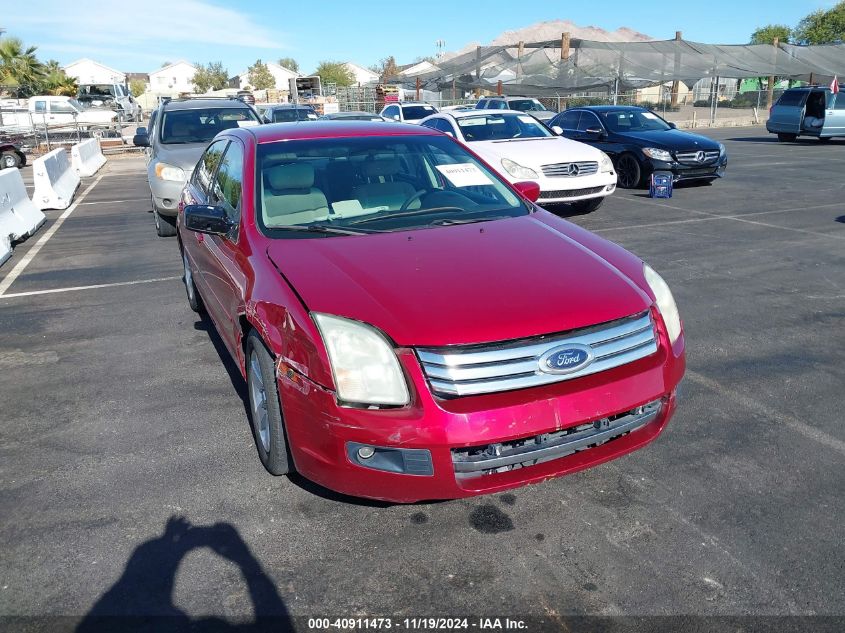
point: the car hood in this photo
(533, 152)
(672, 140)
(185, 156)
(491, 281)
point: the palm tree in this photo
(19, 67)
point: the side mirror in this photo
(395, 117)
(528, 189)
(557, 130)
(672, 125)
(141, 139)
(595, 131)
(204, 218)
(452, 134)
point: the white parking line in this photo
(770, 413)
(21, 265)
(115, 201)
(12, 295)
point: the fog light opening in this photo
(366, 452)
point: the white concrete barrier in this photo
(87, 157)
(55, 181)
(19, 217)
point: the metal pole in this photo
(615, 90)
(564, 46)
(418, 89)
(676, 84)
(770, 91)
(46, 132)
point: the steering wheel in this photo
(417, 195)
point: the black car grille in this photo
(568, 193)
(697, 157)
(536, 449)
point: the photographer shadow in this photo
(142, 598)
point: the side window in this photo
(41, 106)
(60, 106)
(433, 123)
(228, 185)
(391, 112)
(500, 105)
(445, 126)
(481, 105)
(207, 164)
(588, 120)
(569, 120)
(840, 101)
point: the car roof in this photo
(197, 104)
(508, 97)
(464, 114)
(609, 108)
(303, 130)
(287, 106)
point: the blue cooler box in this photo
(660, 185)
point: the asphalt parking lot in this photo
(129, 481)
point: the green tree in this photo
(211, 76)
(822, 27)
(290, 63)
(19, 67)
(260, 76)
(334, 72)
(137, 87)
(767, 34)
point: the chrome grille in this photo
(570, 170)
(488, 368)
(569, 193)
(691, 157)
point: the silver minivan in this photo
(810, 111)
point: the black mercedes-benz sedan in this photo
(640, 142)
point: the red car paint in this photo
(452, 285)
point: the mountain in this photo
(551, 30)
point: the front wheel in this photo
(268, 426)
(786, 138)
(165, 226)
(194, 299)
(587, 206)
(9, 160)
(628, 172)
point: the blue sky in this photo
(237, 33)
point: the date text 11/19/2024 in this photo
(416, 624)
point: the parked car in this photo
(352, 116)
(181, 130)
(407, 111)
(521, 148)
(287, 112)
(409, 324)
(640, 142)
(110, 96)
(529, 105)
(59, 113)
(810, 111)
(11, 154)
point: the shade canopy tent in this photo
(548, 68)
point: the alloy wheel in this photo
(258, 402)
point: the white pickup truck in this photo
(57, 113)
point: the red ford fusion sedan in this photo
(412, 327)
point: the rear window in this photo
(202, 125)
(792, 98)
(526, 105)
(285, 115)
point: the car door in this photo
(788, 113)
(198, 192)
(590, 130)
(60, 111)
(834, 119)
(568, 122)
(223, 261)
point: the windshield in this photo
(500, 127)
(364, 184)
(285, 115)
(633, 121)
(96, 90)
(201, 125)
(526, 105)
(415, 113)
(76, 104)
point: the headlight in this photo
(169, 172)
(364, 365)
(605, 164)
(665, 302)
(722, 150)
(657, 154)
(516, 170)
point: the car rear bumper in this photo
(437, 448)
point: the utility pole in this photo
(564, 46)
(676, 84)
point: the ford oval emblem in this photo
(566, 359)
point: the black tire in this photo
(628, 172)
(825, 139)
(165, 225)
(10, 160)
(786, 138)
(194, 298)
(269, 432)
(587, 206)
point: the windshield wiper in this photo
(404, 214)
(453, 221)
(322, 228)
